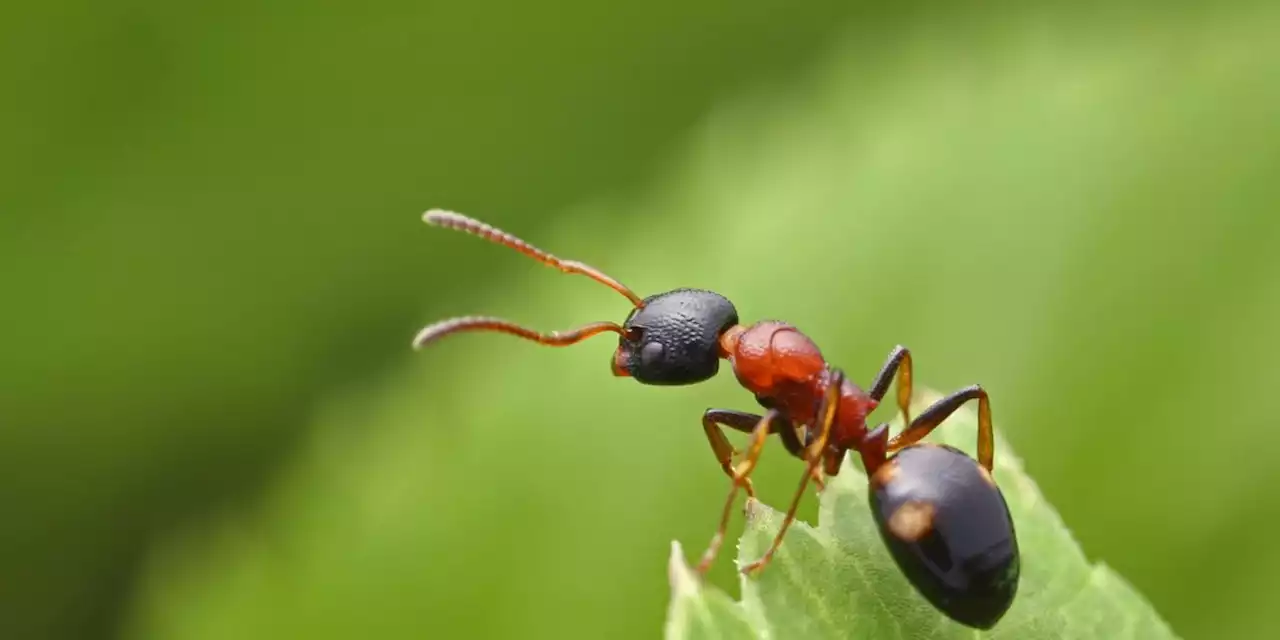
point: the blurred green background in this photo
(212, 263)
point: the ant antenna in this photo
(457, 221)
(440, 329)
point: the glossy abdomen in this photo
(948, 528)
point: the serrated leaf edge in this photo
(687, 593)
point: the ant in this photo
(939, 512)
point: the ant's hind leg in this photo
(899, 363)
(941, 410)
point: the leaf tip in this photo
(679, 575)
(755, 510)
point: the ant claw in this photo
(753, 569)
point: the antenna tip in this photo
(436, 216)
(422, 338)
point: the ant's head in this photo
(674, 338)
(671, 338)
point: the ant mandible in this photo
(940, 513)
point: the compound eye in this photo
(651, 354)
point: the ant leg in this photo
(790, 439)
(899, 363)
(740, 475)
(740, 421)
(813, 459)
(941, 410)
(795, 446)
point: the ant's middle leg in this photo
(899, 363)
(940, 411)
(795, 445)
(814, 454)
(746, 423)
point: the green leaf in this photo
(837, 580)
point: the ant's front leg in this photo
(745, 422)
(741, 479)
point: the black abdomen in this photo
(948, 528)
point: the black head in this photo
(674, 338)
(668, 339)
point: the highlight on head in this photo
(434, 332)
(459, 222)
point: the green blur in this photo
(212, 264)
